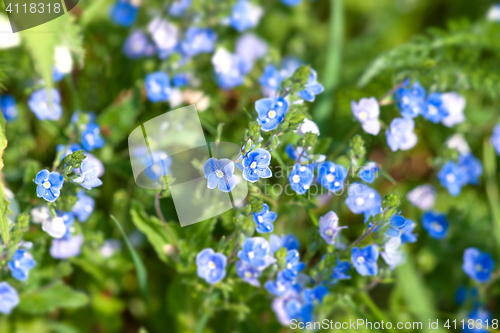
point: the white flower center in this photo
(336, 184)
(363, 115)
(211, 265)
(296, 178)
(248, 275)
(329, 232)
(260, 219)
(272, 82)
(432, 110)
(436, 226)
(279, 104)
(271, 114)
(330, 178)
(17, 264)
(302, 169)
(451, 178)
(251, 255)
(361, 260)
(219, 173)
(253, 165)
(478, 267)
(289, 266)
(46, 184)
(405, 100)
(359, 201)
(306, 187)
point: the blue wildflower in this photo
(435, 110)
(83, 207)
(301, 178)
(369, 172)
(361, 198)
(68, 219)
(423, 196)
(332, 176)
(280, 286)
(271, 78)
(250, 48)
(88, 174)
(339, 271)
(293, 265)
(400, 135)
(472, 168)
(256, 165)
(392, 254)
(248, 273)
(411, 101)
(211, 266)
(255, 251)
(20, 265)
(137, 45)
(294, 154)
(291, 306)
(220, 172)
(372, 212)
(123, 13)
(158, 87)
(478, 265)
(159, 168)
(455, 105)
(9, 298)
(199, 40)
(480, 317)
(264, 219)
(91, 137)
(291, 3)
(314, 295)
(396, 224)
(365, 260)
(178, 7)
(435, 224)
(367, 111)
(180, 80)
(495, 138)
(407, 235)
(39, 104)
(245, 15)
(165, 36)
(312, 89)
(49, 185)
(271, 112)
(329, 227)
(452, 177)
(289, 242)
(65, 248)
(8, 107)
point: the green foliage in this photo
(73, 161)
(4, 203)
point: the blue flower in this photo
(256, 164)
(316, 294)
(250, 48)
(158, 87)
(178, 7)
(329, 227)
(366, 111)
(400, 135)
(180, 80)
(472, 168)
(248, 273)
(199, 40)
(294, 154)
(407, 235)
(289, 242)
(230, 68)
(220, 172)
(332, 176)
(165, 36)
(65, 248)
(369, 172)
(422, 196)
(245, 15)
(88, 174)
(339, 271)
(301, 178)
(211, 266)
(264, 219)
(49, 185)
(293, 265)
(435, 110)
(396, 224)
(478, 316)
(271, 78)
(271, 112)
(123, 13)
(8, 107)
(20, 265)
(435, 224)
(313, 88)
(372, 212)
(83, 207)
(68, 220)
(67, 150)
(91, 137)
(280, 286)
(9, 298)
(291, 306)
(365, 260)
(291, 3)
(411, 101)
(39, 104)
(137, 45)
(255, 251)
(452, 177)
(455, 105)
(478, 265)
(495, 138)
(392, 254)
(361, 198)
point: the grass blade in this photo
(489, 162)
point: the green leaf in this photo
(142, 274)
(52, 297)
(4, 203)
(491, 184)
(155, 231)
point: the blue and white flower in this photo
(39, 104)
(83, 207)
(369, 172)
(199, 40)
(301, 178)
(65, 248)
(455, 105)
(211, 266)
(435, 110)
(250, 48)
(49, 185)
(367, 111)
(452, 177)
(137, 45)
(411, 101)
(362, 198)
(245, 15)
(158, 87)
(316, 294)
(400, 134)
(365, 260)
(220, 172)
(423, 196)
(407, 235)
(472, 168)
(271, 79)
(91, 137)
(293, 266)
(435, 224)
(280, 286)
(264, 219)
(313, 88)
(248, 273)
(88, 175)
(255, 251)
(339, 271)
(289, 242)
(393, 255)
(123, 13)
(256, 165)
(8, 107)
(271, 112)
(332, 176)
(21, 264)
(478, 265)
(165, 36)
(9, 298)
(329, 227)
(178, 7)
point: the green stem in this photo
(491, 184)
